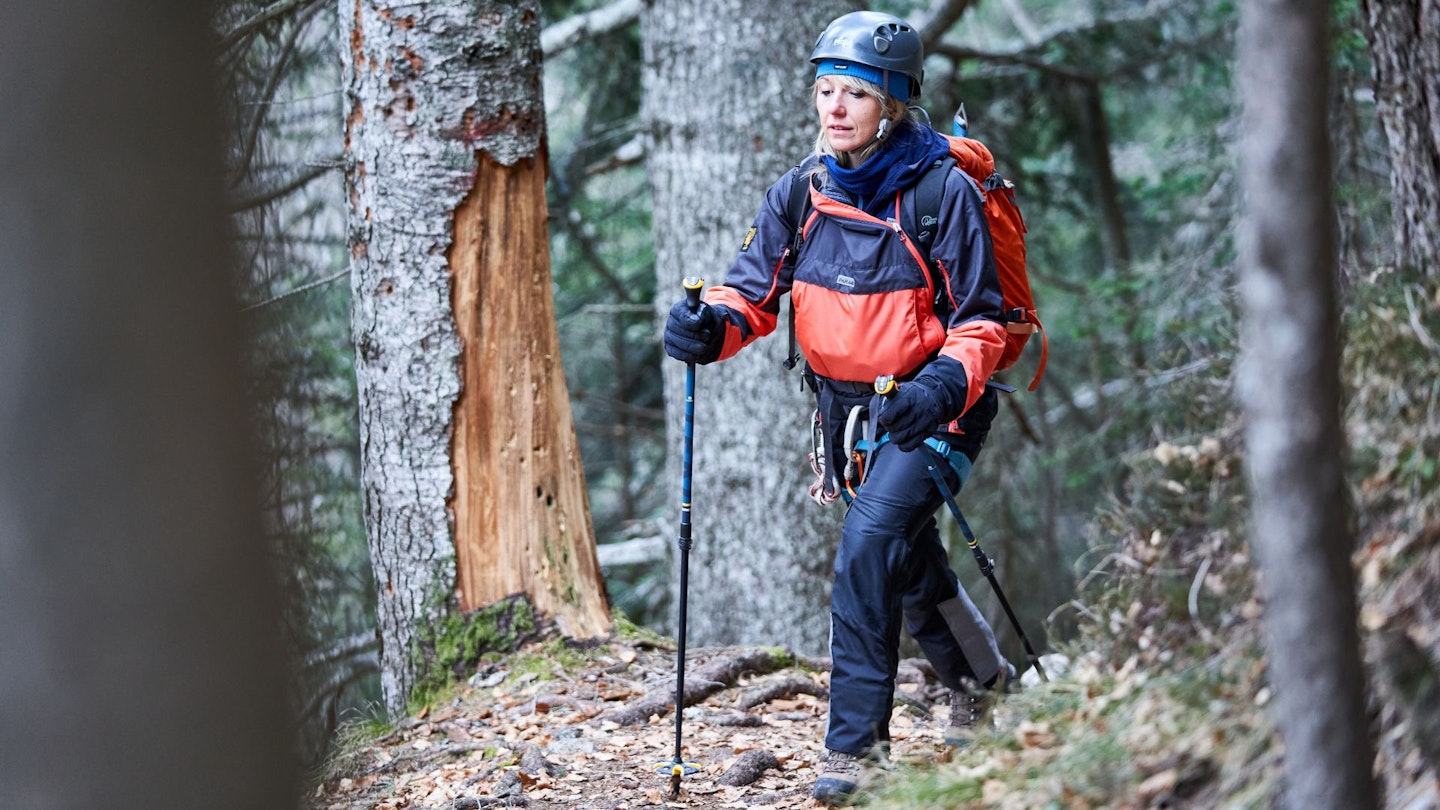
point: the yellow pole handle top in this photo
(693, 285)
(885, 385)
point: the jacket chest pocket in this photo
(857, 257)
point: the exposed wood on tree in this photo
(521, 516)
(470, 476)
(1290, 388)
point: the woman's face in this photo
(850, 118)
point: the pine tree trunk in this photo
(140, 661)
(471, 473)
(727, 107)
(1290, 387)
(1404, 39)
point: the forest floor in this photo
(1165, 704)
(557, 727)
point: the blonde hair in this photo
(891, 109)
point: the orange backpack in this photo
(919, 213)
(1007, 237)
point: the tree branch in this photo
(1029, 53)
(570, 31)
(935, 21)
(359, 668)
(344, 648)
(265, 15)
(258, 198)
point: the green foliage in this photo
(1106, 737)
(1390, 368)
(344, 758)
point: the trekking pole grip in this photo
(693, 285)
(885, 385)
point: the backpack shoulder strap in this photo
(797, 206)
(797, 209)
(920, 217)
(923, 209)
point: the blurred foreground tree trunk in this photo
(1404, 39)
(139, 641)
(727, 108)
(471, 474)
(1290, 387)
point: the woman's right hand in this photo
(695, 335)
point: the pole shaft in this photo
(685, 543)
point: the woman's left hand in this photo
(912, 414)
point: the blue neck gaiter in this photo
(907, 153)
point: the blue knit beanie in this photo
(899, 82)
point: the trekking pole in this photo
(885, 386)
(678, 767)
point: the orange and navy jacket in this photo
(864, 301)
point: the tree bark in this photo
(1290, 389)
(470, 470)
(1404, 40)
(140, 661)
(727, 110)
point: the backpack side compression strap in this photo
(797, 208)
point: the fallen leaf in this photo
(1162, 782)
(1035, 735)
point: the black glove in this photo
(695, 335)
(919, 407)
(912, 414)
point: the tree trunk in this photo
(470, 468)
(140, 661)
(1404, 39)
(1290, 388)
(727, 107)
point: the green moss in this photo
(452, 646)
(783, 657)
(626, 630)
(543, 662)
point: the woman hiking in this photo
(865, 306)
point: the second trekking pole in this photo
(886, 386)
(678, 767)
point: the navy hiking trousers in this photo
(890, 564)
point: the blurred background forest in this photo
(1117, 121)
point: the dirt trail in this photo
(573, 738)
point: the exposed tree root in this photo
(750, 766)
(718, 673)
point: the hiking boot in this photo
(968, 709)
(839, 779)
